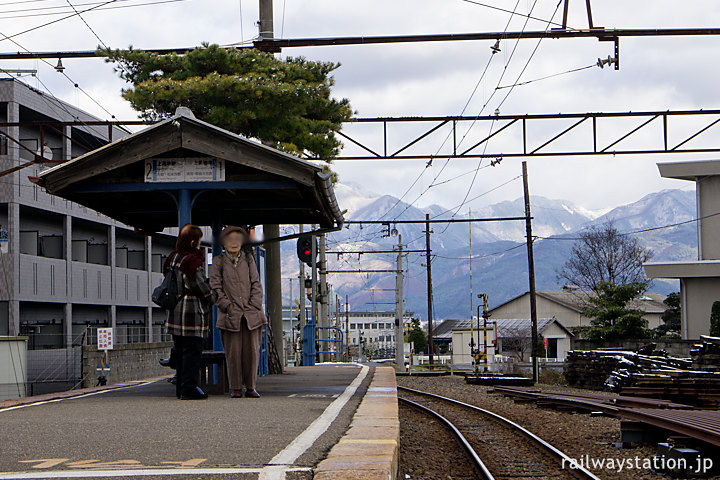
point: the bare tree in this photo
(516, 341)
(604, 255)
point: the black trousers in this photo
(188, 351)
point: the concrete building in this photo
(66, 269)
(374, 332)
(700, 279)
(567, 306)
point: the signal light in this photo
(304, 249)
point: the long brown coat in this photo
(239, 292)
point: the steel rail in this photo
(580, 472)
(477, 462)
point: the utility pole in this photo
(273, 256)
(323, 294)
(399, 312)
(347, 328)
(313, 296)
(266, 24)
(431, 347)
(531, 273)
(302, 289)
(292, 324)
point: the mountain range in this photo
(499, 256)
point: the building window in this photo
(353, 326)
(374, 326)
(367, 326)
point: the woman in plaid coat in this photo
(189, 322)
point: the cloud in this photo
(436, 79)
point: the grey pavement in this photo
(147, 427)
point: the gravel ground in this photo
(422, 438)
(575, 434)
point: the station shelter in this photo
(182, 170)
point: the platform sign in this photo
(105, 338)
(163, 170)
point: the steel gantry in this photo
(535, 135)
(606, 133)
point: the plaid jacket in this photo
(191, 316)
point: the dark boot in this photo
(171, 361)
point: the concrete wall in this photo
(127, 362)
(676, 348)
(708, 196)
(13, 367)
(698, 295)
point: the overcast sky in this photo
(429, 78)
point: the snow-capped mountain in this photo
(499, 260)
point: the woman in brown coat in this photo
(234, 277)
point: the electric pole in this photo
(399, 312)
(313, 298)
(531, 274)
(431, 347)
(267, 29)
(301, 276)
(347, 328)
(273, 256)
(323, 294)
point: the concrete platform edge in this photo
(369, 449)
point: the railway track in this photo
(499, 448)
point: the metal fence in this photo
(54, 363)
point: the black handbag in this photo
(167, 294)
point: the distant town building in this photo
(514, 339)
(567, 307)
(700, 279)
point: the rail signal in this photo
(305, 249)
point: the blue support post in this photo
(184, 204)
(308, 352)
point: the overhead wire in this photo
(447, 161)
(87, 24)
(472, 183)
(547, 76)
(493, 7)
(100, 7)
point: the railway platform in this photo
(343, 415)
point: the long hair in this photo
(188, 238)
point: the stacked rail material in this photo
(698, 388)
(589, 369)
(652, 374)
(591, 402)
(706, 356)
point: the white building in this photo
(700, 279)
(513, 339)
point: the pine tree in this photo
(285, 103)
